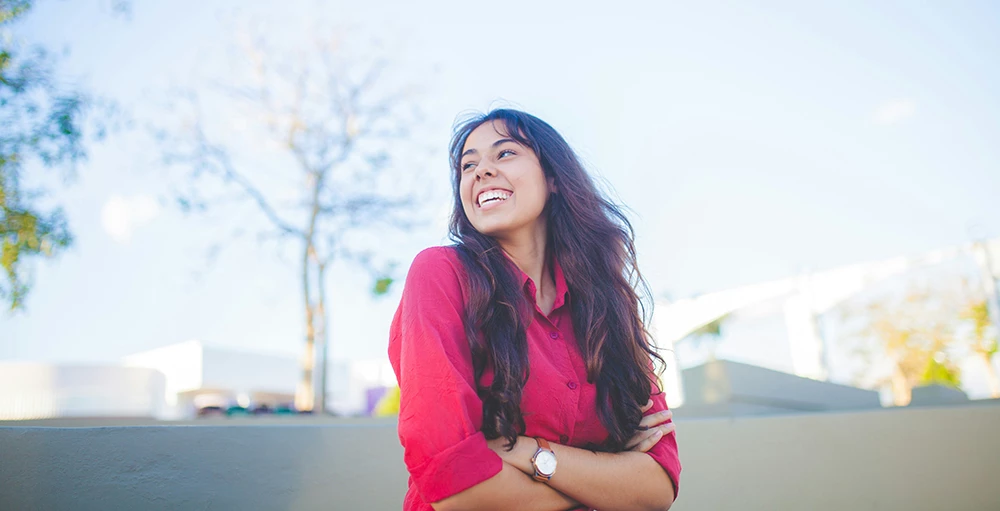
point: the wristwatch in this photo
(544, 461)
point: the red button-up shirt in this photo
(440, 413)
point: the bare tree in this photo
(326, 124)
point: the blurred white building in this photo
(353, 386)
(777, 321)
(199, 375)
(175, 381)
(42, 391)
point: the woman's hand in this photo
(651, 429)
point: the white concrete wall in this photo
(895, 459)
(181, 363)
(245, 372)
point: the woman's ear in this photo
(552, 185)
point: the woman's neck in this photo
(529, 254)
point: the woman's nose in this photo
(485, 169)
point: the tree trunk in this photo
(304, 392)
(991, 375)
(310, 398)
(321, 337)
(901, 388)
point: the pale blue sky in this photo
(751, 143)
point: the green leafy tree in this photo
(45, 124)
(42, 124)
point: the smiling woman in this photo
(492, 166)
(525, 368)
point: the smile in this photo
(492, 197)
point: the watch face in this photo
(546, 463)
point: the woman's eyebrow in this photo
(502, 141)
(494, 144)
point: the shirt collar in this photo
(562, 290)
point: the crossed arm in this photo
(509, 489)
(629, 480)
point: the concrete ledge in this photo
(929, 458)
(725, 388)
(937, 395)
(202, 467)
(926, 458)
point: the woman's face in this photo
(503, 187)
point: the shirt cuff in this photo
(457, 468)
(668, 460)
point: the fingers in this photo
(651, 429)
(647, 442)
(638, 438)
(647, 439)
(641, 436)
(654, 419)
(649, 404)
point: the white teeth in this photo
(493, 195)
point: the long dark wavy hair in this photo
(594, 243)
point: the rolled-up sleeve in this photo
(440, 413)
(665, 451)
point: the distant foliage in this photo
(44, 125)
(42, 122)
(982, 339)
(903, 341)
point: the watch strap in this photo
(543, 445)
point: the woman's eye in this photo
(467, 166)
(504, 152)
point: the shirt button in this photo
(571, 385)
(563, 439)
(554, 335)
